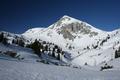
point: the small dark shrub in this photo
(106, 66)
(11, 53)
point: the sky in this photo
(17, 16)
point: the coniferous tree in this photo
(88, 47)
(56, 46)
(58, 50)
(58, 57)
(13, 41)
(4, 41)
(108, 37)
(44, 42)
(70, 47)
(53, 54)
(116, 55)
(62, 52)
(21, 43)
(36, 47)
(46, 48)
(17, 41)
(86, 63)
(53, 49)
(1, 37)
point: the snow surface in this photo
(14, 70)
(29, 69)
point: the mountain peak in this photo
(67, 21)
(66, 16)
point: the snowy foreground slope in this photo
(14, 70)
(29, 69)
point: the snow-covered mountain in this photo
(85, 43)
(68, 32)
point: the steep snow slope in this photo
(103, 53)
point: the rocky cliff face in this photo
(69, 27)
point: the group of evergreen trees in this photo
(38, 46)
(3, 39)
(45, 48)
(18, 41)
(106, 66)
